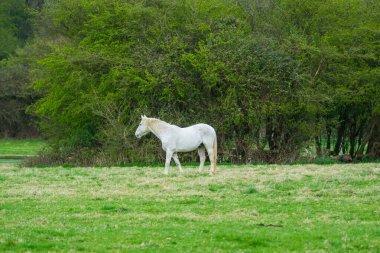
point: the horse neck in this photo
(158, 127)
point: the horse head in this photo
(143, 128)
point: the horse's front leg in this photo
(169, 155)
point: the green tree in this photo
(271, 76)
(14, 26)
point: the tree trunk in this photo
(360, 138)
(352, 137)
(339, 140)
(370, 146)
(367, 136)
(318, 146)
(328, 140)
(373, 149)
(344, 145)
(269, 135)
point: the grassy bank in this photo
(332, 208)
(21, 147)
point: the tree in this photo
(271, 76)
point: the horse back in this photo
(205, 130)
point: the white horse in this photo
(176, 139)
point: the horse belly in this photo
(188, 141)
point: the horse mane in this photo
(154, 121)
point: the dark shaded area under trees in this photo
(276, 78)
(15, 96)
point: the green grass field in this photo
(268, 208)
(20, 147)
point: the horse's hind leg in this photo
(202, 157)
(210, 152)
(176, 160)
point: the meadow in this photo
(21, 147)
(262, 208)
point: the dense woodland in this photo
(278, 79)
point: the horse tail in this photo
(215, 150)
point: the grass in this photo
(20, 147)
(265, 208)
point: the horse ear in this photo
(142, 116)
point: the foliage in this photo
(271, 76)
(14, 26)
(15, 29)
(14, 99)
